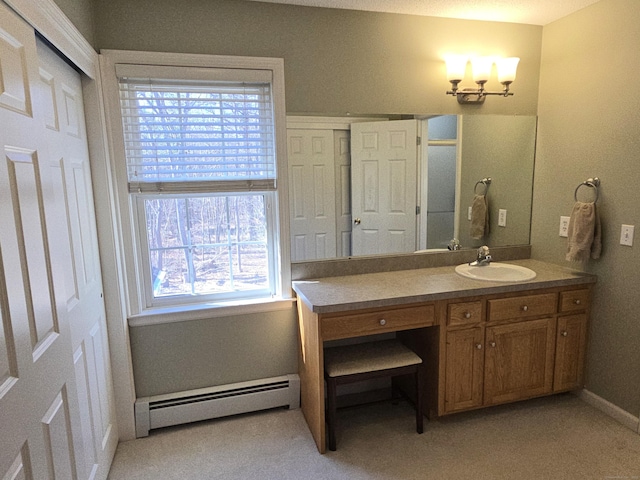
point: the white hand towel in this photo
(479, 217)
(584, 233)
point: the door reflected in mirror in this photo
(385, 185)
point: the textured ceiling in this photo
(535, 12)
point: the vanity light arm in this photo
(480, 92)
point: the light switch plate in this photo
(469, 214)
(502, 217)
(564, 226)
(626, 235)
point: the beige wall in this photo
(589, 125)
(81, 14)
(336, 61)
(175, 357)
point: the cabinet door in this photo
(570, 351)
(464, 369)
(519, 360)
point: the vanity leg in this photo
(311, 371)
(331, 412)
(419, 414)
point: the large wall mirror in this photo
(384, 184)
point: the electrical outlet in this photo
(502, 217)
(469, 214)
(626, 235)
(564, 226)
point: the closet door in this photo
(77, 261)
(312, 194)
(342, 159)
(55, 397)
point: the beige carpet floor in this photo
(558, 437)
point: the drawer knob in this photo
(564, 333)
(492, 344)
(577, 302)
(467, 314)
(383, 322)
(525, 308)
(479, 346)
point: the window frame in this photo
(133, 235)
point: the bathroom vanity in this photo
(483, 343)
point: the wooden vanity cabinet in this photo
(571, 340)
(464, 369)
(502, 349)
(463, 353)
(519, 360)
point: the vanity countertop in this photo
(370, 290)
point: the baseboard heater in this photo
(214, 402)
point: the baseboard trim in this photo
(615, 412)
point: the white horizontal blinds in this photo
(216, 130)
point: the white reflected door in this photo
(383, 185)
(342, 158)
(55, 414)
(312, 194)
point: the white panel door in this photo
(311, 194)
(50, 426)
(342, 157)
(78, 262)
(383, 186)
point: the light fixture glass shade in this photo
(481, 67)
(456, 67)
(507, 69)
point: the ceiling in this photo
(534, 12)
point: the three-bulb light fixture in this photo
(481, 69)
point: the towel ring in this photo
(590, 182)
(486, 182)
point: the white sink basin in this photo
(496, 272)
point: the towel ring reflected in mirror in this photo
(590, 182)
(484, 182)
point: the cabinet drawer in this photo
(382, 321)
(574, 300)
(521, 307)
(464, 313)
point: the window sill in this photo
(186, 313)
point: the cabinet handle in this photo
(525, 308)
(467, 314)
(492, 344)
(564, 333)
(383, 322)
(577, 302)
(479, 346)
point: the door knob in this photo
(357, 221)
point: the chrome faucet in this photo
(483, 257)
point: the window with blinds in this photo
(198, 131)
(200, 151)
